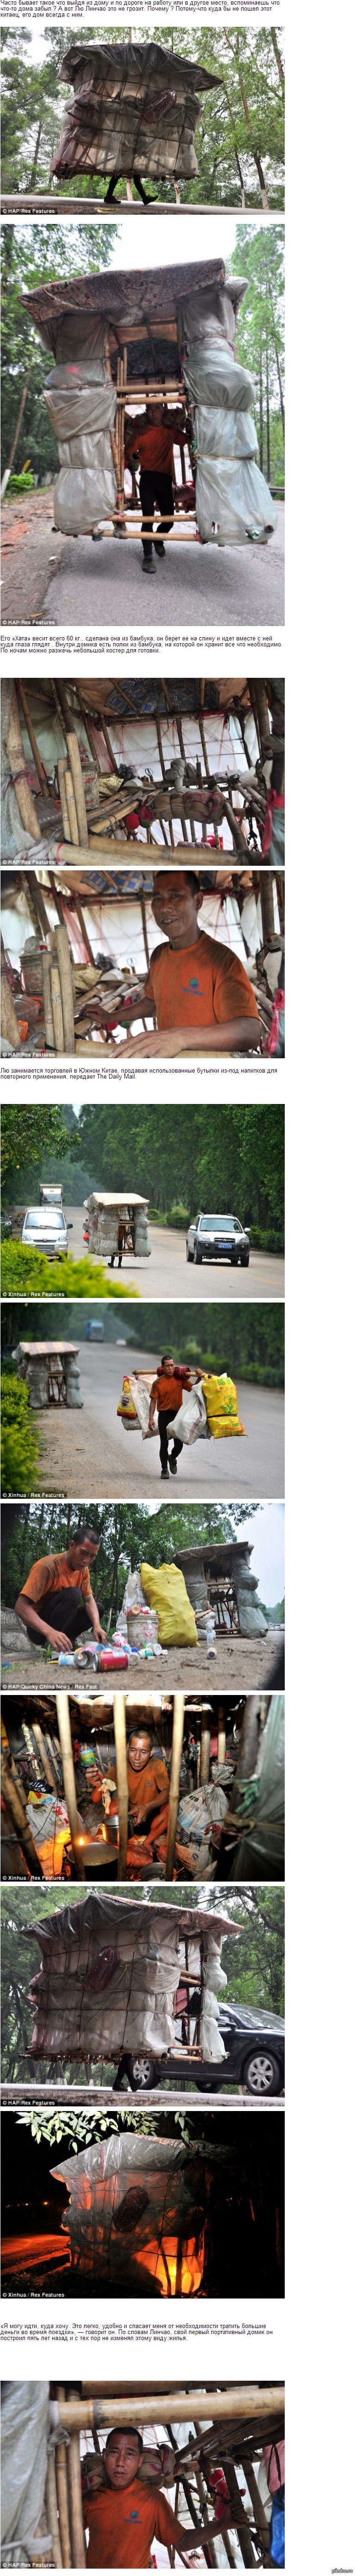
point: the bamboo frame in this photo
(245, 2405)
(10, 1793)
(174, 1790)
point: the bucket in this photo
(142, 1627)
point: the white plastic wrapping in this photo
(225, 433)
(269, 1826)
(250, 1615)
(125, 2194)
(212, 376)
(233, 503)
(109, 1979)
(191, 1421)
(81, 402)
(24, 2420)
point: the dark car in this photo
(255, 2056)
(218, 1238)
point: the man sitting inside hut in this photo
(148, 1782)
(125, 2513)
(150, 442)
(195, 982)
(57, 1590)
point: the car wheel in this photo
(244, 1260)
(234, 1258)
(189, 1255)
(142, 2073)
(207, 2081)
(261, 2073)
(197, 1258)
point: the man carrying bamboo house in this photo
(149, 442)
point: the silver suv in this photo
(218, 1238)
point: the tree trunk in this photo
(269, 416)
(261, 424)
(278, 59)
(255, 155)
(17, 430)
(32, 180)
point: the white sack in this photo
(225, 433)
(233, 502)
(191, 1421)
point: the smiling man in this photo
(125, 2514)
(194, 981)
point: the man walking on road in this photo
(165, 1398)
(151, 439)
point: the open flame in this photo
(163, 2262)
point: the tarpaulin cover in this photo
(124, 2194)
(213, 377)
(105, 1220)
(165, 1590)
(251, 1617)
(24, 2420)
(81, 402)
(135, 108)
(109, 1977)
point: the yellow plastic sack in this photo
(126, 1407)
(165, 1589)
(225, 1428)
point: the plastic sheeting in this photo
(269, 1825)
(13, 832)
(190, 1423)
(136, 108)
(250, 1615)
(24, 2420)
(233, 502)
(109, 1978)
(125, 2195)
(83, 418)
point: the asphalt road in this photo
(168, 1273)
(88, 1452)
(194, 584)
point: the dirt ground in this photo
(27, 545)
(240, 1663)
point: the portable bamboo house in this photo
(167, 333)
(134, 114)
(59, 1749)
(103, 768)
(77, 944)
(189, 2431)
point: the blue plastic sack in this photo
(277, 2543)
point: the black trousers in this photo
(155, 491)
(65, 1610)
(163, 1419)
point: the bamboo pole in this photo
(61, 775)
(39, 764)
(174, 1790)
(205, 1751)
(56, 1000)
(49, 1774)
(21, 784)
(112, 755)
(75, 2503)
(221, 1736)
(66, 986)
(9, 1021)
(10, 1793)
(72, 812)
(52, 2510)
(119, 1721)
(77, 778)
(47, 1000)
(247, 2550)
(63, 2506)
(258, 2508)
(64, 1731)
(247, 2405)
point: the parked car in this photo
(255, 2056)
(218, 1238)
(45, 1229)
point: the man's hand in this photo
(56, 1637)
(97, 1631)
(94, 2473)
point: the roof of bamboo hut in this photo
(99, 1910)
(153, 58)
(129, 296)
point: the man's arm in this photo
(25, 1610)
(240, 1037)
(204, 2532)
(93, 1615)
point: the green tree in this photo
(29, 1134)
(261, 332)
(20, 1444)
(33, 1529)
(30, 254)
(239, 139)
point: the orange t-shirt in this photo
(145, 1785)
(199, 985)
(168, 1390)
(122, 2527)
(155, 446)
(52, 1574)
